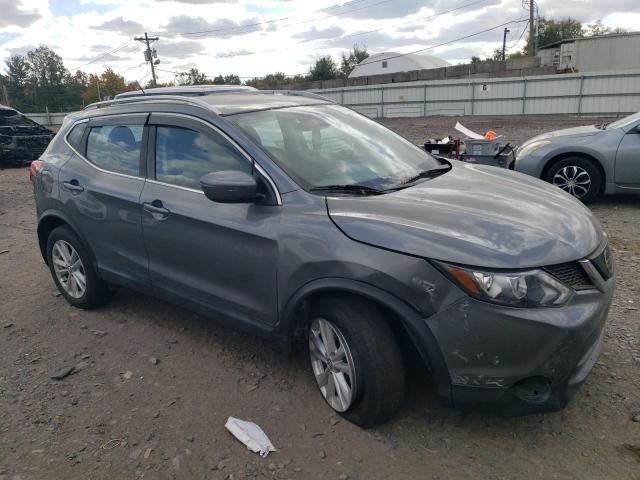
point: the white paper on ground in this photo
(468, 133)
(251, 435)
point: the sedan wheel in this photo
(69, 269)
(574, 180)
(332, 364)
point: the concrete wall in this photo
(595, 93)
(51, 120)
(608, 53)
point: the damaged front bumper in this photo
(20, 150)
(518, 361)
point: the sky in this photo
(255, 37)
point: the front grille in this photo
(571, 274)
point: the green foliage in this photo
(354, 57)
(325, 68)
(193, 77)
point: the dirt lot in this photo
(166, 418)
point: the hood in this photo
(474, 215)
(586, 130)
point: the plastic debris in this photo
(468, 133)
(251, 435)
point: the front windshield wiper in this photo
(434, 172)
(601, 126)
(349, 188)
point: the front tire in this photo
(577, 176)
(355, 360)
(73, 271)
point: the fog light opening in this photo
(532, 390)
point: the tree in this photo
(475, 59)
(108, 83)
(324, 69)
(551, 31)
(598, 28)
(192, 77)
(47, 77)
(354, 57)
(232, 79)
(16, 80)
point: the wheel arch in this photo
(584, 155)
(406, 322)
(48, 222)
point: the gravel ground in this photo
(155, 384)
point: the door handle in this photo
(73, 186)
(157, 209)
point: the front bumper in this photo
(518, 361)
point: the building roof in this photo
(396, 62)
(593, 37)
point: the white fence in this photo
(589, 93)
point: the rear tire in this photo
(372, 356)
(577, 176)
(73, 270)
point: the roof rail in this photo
(149, 99)
(303, 93)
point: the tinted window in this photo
(116, 148)
(75, 135)
(183, 156)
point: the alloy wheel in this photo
(69, 269)
(332, 364)
(574, 180)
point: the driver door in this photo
(219, 258)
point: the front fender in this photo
(413, 323)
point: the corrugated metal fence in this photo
(589, 93)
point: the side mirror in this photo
(229, 187)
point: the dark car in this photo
(21, 139)
(288, 216)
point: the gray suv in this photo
(286, 215)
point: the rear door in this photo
(100, 188)
(628, 159)
(219, 258)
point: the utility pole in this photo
(149, 54)
(504, 44)
(532, 29)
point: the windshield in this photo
(624, 121)
(323, 145)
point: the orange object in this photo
(490, 135)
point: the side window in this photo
(75, 135)
(116, 148)
(184, 155)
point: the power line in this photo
(250, 25)
(447, 43)
(104, 54)
(232, 55)
(521, 35)
(149, 54)
(419, 19)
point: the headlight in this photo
(532, 288)
(529, 148)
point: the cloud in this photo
(222, 27)
(12, 16)
(120, 25)
(380, 9)
(22, 50)
(317, 34)
(180, 49)
(376, 41)
(234, 53)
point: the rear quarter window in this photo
(74, 137)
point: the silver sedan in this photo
(586, 161)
